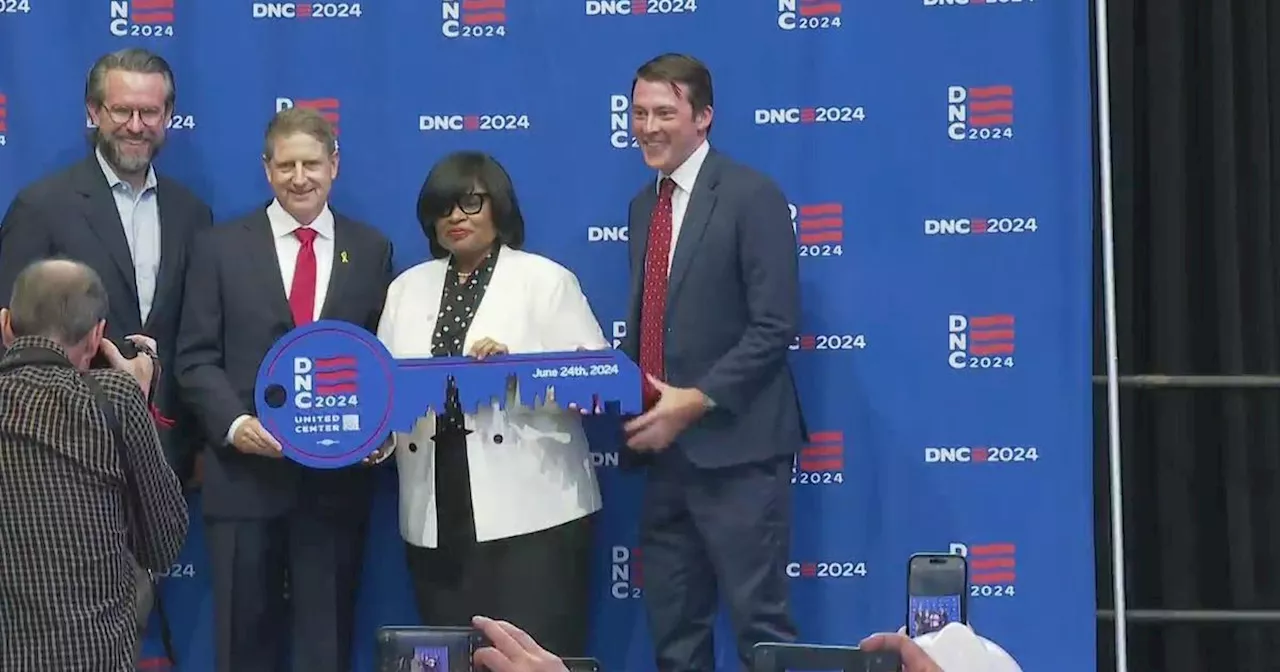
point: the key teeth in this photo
(539, 397)
(562, 392)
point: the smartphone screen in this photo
(424, 649)
(935, 592)
(430, 658)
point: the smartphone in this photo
(424, 649)
(937, 592)
(777, 657)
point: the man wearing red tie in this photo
(250, 282)
(714, 309)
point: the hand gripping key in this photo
(331, 393)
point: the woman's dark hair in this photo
(458, 174)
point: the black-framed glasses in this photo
(472, 203)
(121, 115)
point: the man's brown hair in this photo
(683, 70)
(300, 120)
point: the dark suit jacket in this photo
(733, 311)
(73, 214)
(234, 311)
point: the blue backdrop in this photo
(938, 153)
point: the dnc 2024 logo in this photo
(142, 18)
(325, 383)
(473, 18)
(980, 341)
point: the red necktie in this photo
(302, 295)
(653, 301)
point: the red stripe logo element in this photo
(823, 453)
(991, 105)
(811, 8)
(151, 12)
(991, 335)
(484, 12)
(993, 564)
(336, 375)
(820, 223)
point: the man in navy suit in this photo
(714, 309)
(252, 281)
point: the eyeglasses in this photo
(122, 115)
(472, 203)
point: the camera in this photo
(126, 348)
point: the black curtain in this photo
(1196, 128)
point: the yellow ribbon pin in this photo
(344, 256)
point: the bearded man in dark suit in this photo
(113, 212)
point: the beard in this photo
(130, 163)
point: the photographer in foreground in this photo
(80, 511)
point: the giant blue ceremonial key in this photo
(331, 393)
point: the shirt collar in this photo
(687, 173)
(283, 224)
(37, 342)
(113, 179)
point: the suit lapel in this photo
(340, 268)
(638, 234)
(696, 216)
(261, 250)
(487, 322)
(99, 209)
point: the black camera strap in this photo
(46, 357)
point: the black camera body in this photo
(126, 348)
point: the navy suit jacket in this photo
(73, 214)
(235, 310)
(733, 309)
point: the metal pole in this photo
(1255, 616)
(1183, 382)
(1113, 357)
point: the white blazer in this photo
(540, 475)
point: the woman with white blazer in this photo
(496, 506)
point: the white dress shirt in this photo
(539, 474)
(283, 225)
(685, 176)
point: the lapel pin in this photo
(344, 256)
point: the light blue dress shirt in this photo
(140, 216)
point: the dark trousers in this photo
(253, 562)
(540, 582)
(703, 529)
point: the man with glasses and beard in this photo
(112, 212)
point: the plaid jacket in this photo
(66, 552)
